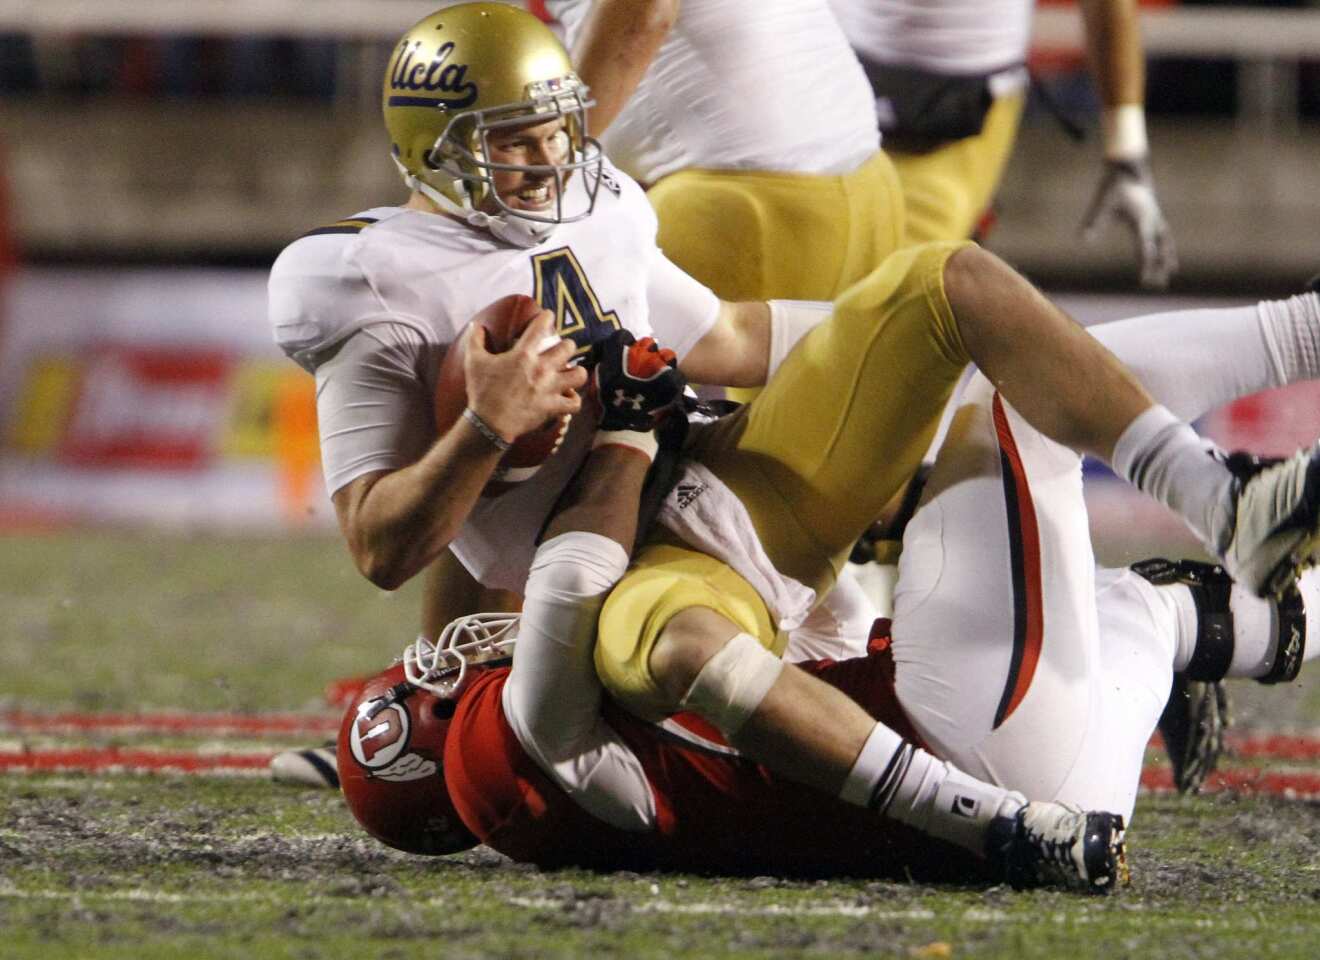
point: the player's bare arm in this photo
(619, 40)
(735, 352)
(1113, 48)
(396, 522)
(1126, 191)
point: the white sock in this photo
(1162, 456)
(900, 780)
(1255, 626)
(1292, 330)
(1193, 361)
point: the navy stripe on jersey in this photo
(353, 225)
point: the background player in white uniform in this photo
(950, 83)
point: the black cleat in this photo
(1058, 845)
(1192, 726)
(883, 541)
(1197, 714)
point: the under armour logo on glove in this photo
(621, 397)
(642, 379)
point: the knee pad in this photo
(732, 684)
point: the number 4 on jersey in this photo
(562, 288)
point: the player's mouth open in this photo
(535, 194)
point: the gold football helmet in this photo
(464, 71)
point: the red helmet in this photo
(392, 740)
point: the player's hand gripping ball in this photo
(504, 321)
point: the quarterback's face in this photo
(535, 145)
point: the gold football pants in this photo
(835, 434)
(948, 189)
(760, 235)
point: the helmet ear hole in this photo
(444, 709)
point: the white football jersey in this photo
(738, 86)
(956, 37)
(395, 269)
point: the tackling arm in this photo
(552, 697)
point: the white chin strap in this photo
(518, 231)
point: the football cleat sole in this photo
(1196, 715)
(1192, 726)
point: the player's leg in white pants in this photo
(995, 633)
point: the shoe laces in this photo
(1053, 843)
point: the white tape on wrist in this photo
(1125, 132)
(790, 321)
(644, 443)
(732, 684)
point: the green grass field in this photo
(146, 866)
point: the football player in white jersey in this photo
(510, 196)
(950, 83)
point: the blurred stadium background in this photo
(155, 156)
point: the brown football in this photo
(504, 320)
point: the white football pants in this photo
(1003, 663)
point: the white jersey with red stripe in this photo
(401, 284)
(770, 86)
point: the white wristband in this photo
(1125, 132)
(790, 321)
(644, 443)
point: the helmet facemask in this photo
(442, 667)
(461, 158)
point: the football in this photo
(504, 320)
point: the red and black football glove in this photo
(634, 383)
